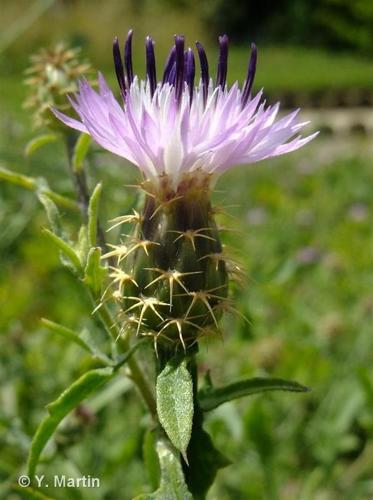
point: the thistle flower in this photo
(171, 275)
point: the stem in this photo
(137, 375)
(81, 189)
(31, 184)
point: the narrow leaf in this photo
(174, 392)
(95, 273)
(172, 485)
(65, 332)
(52, 213)
(80, 151)
(85, 343)
(58, 409)
(93, 215)
(34, 185)
(38, 142)
(211, 398)
(65, 248)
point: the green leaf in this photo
(66, 250)
(52, 213)
(58, 409)
(30, 494)
(93, 215)
(211, 398)
(34, 185)
(95, 273)
(174, 392)
(66, 333)
(151, 459)
(80, 151)
(82, 245)
(172, 485)
(85, 343)
(204, 460)
(38, 142)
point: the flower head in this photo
(173, 128)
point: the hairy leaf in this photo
(172, 485)
(58, 409)
(174, 393)
(66, 250)
(95, 273)
(211, 398)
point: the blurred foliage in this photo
(333, 24)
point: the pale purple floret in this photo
(173, 127)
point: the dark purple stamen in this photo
(179, 60)
(119, 67)
(128, 58)
(221, 76)
(204, 70)
(150, 64)
(189, 71)
(170, 62)
(250, 75)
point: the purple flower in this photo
(173, 127)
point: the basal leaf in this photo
(172, 485)
(58, 409)
(174, 392)
(211, 398)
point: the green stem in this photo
(31, 184)
(137, 375)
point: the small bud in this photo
(53, 74)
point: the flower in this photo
(175, 129)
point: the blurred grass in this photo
(306, 242)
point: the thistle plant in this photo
(167, 282)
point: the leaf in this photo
(82, 246)
(66, 250)
(174, 393)
(95, 273)
(58, 409)
(65, 332)
(93, 215)
(86, 344)
(30, 494)
(211, 398)
(172, 485)
(34, 185)
(52, 213)
(38, 142)
(80, 151)
(151, 458)
(204, 460)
